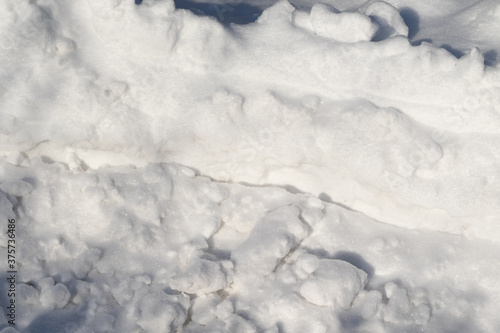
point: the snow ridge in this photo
(171, 173)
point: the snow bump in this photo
(333, 283)
(344, 27)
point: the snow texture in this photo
(327, 167)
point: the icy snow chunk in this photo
(312, 213)
(388, 19)
(342, 27)
(269, 242)
(203, 276)
(17, 188)
(305, 265)
(471, 65)
(204, 308)
(82, 292)
(334, 282)
(281, 12)
(162, 313)
(302, 20)
(201, 42)
(55, 296)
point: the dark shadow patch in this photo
(456, 52)
(320, 253)
(491, 58)
(138, 2)
(350, 321)
(286, 187)
(63, 320)
(412, 21)
(385, 30)
(420, 41)
(325, 197)
(47, 160)
(238, 13)
(351, 257)
(356, 260)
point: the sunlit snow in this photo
(255, 166)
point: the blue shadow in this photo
(238, 13)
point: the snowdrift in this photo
(329, 167)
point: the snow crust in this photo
(331, 167)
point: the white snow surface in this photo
(331, 167)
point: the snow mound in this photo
(333, 282)
(342, 27)
(216, 256)
(269, 242)
(387, 18)
(330, 167)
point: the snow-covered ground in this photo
(256, 166)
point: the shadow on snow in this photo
(239, 13)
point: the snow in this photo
(342, 27)
(53, 296)
(389, 20)
(326, 167)
(333, 282)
